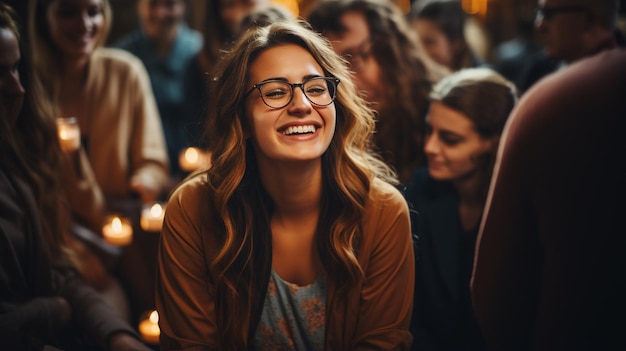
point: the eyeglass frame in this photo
(546, 13)
(332, 80)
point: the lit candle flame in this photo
(156, 210)
(116, 225)
(154, 317)
(191, 155)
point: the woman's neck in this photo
(471, 199)
(295, 188)
(71, 90)
(469, 189)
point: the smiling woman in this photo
(122, 156)
(295, 238)
(466, 117)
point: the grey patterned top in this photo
(293, 317)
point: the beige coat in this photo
(125, 133)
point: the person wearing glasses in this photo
(571, 30)
(296, 237)
(389, 68)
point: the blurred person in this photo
(109, 93)
(510, 56)
(550, 266)
(466, 117)
(569, 31)
(43, 300)
(389, 69)
(263, 16)
(295, 238)
(440, 26)
(221, 24)
(168, 49)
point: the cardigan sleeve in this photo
(148, 153)
(387, 292)
(183, 296)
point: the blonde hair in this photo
(241, 208)
(47, 60)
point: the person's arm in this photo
(148, 153)
(184, 290)
(93, 316)
(387, 293)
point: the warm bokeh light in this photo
(475, 7)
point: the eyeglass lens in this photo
(320, 91)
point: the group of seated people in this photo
(364, 190)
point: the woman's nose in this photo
(300, 102)
(431, 145)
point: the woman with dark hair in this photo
(440, 27)
(295, 237)
(221, 24)
(389, 69)
(43, 300)
(466, 117)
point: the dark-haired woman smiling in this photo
(466, 117)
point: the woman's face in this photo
(355, 45)
(75, 26)
(11, 90)
(300, 131)
(452, 144)
(434, 41)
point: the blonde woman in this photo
(123, 155)
(295, 238)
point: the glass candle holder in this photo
(149, 327)
(69, 133)
(117, 230)
(152, 216)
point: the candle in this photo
(192, 158)
(149, 328)
(69, 133)
(152, 217)
(118, 231)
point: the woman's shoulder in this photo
(421, 185)
(192, 189)
(385, 194)
(117, 58)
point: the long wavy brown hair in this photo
(408, 76)
(241, 208)
(30, 150)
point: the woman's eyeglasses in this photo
(276, 93)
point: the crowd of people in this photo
(369, 181)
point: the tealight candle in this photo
(192, 158)
(152, 217)
(69, 133)
(118, 231)
(149, 328)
